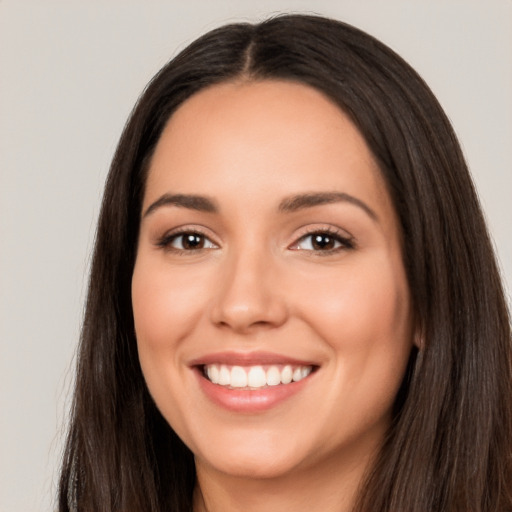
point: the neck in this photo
(328, 488)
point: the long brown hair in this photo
(450, 445)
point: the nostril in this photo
(249, 312)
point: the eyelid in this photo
(166, 239)
(345, 239)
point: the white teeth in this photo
(238, 377)
(297, 375)
(287, 375)
(255, 376)
(273, 376)
(224, 376)
(213, 373)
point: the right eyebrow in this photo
(192, 202)
(312, 199)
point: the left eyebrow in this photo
(189, 201)
(301, 201)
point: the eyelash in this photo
(167, 240)
(345, 243)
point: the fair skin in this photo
(269, 244)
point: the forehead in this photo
(266, 135)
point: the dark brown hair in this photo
(449, 448)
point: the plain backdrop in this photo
(70, 73)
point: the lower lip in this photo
(249, 400)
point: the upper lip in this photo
(232, 358)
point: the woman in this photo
(294, 303)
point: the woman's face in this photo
(271, 306)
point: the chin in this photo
(254, 468)
(259, 461)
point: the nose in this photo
(250, 296)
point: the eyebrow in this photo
(287, 205)
(192, 202)
(310, 200)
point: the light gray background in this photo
(70, 73)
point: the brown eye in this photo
(322, 242)
(189, 241)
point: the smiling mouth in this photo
(255, 377)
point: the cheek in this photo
(166, 307)
(364, 316)
(371, 302)
(166, 304)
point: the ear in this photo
(418, 336)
